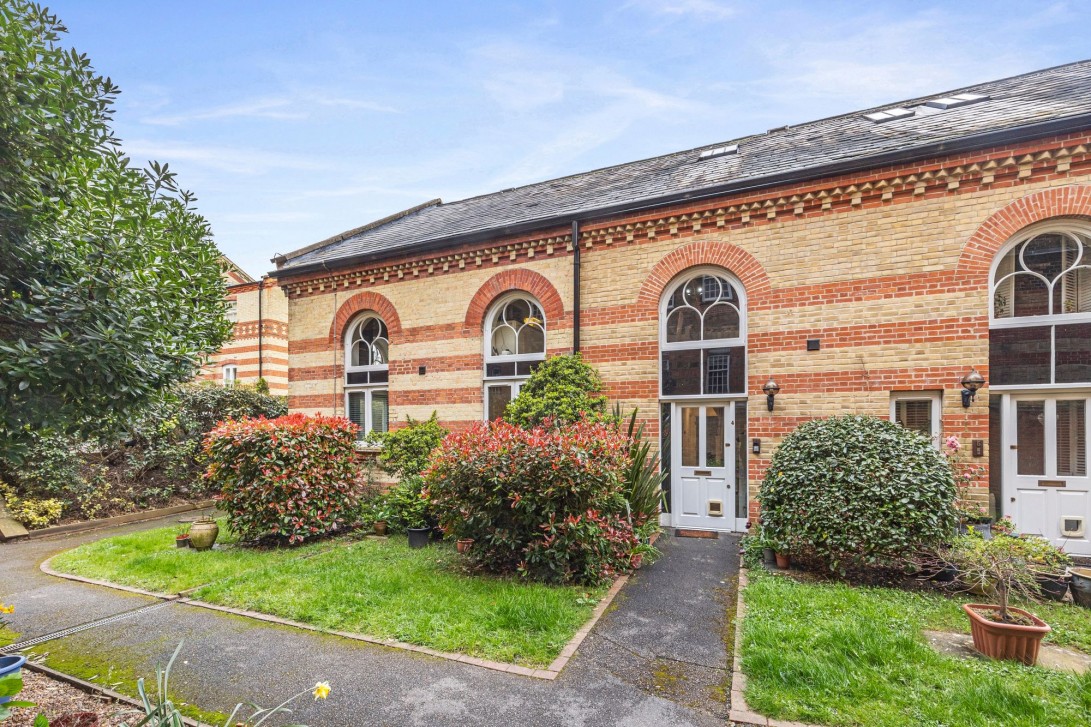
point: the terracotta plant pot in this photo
(463, 544)
(76, 719)
(783, 561)
(379, 527)
(182, 541)
(1006, 641)
(203, 534)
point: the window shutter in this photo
(357, 402)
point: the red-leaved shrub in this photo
(545, 502)
(289, 478)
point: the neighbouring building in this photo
(259, 349)
(867, 263)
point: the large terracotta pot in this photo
(1006, 641)
(203, 534)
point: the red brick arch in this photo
(363, 302)
(979, 251)
(517, 279)
(732, 258)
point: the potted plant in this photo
(203, 533)
(1081, 586)
(181, 537)
(1049, 564)
(971, 516)
(379, 526)
(463, 544)
(418, 535)
(1000, 631)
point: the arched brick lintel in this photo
(515, 279)
(364, 301)
(732, 258)
(979, 251)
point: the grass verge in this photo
(374, 587)
(839, 655)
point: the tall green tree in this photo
(110, 283)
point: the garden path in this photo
(657, 657)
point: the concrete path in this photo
(658, 656)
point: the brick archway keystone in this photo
(505, 282)
(365, 301)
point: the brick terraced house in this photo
(868, 263)
(259, 349)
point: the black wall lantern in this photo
(971, 382)
(771, 388)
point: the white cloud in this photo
(232, 160)
(289, 108)
(699, 9)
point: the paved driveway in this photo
(657, 657)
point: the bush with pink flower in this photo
(288, 479)
(545, 502)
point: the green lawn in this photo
(838, 655)
(374, 587)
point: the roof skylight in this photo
(897, 112)
(720, 151)
(958, 99)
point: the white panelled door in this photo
(703, 466)
(1047, 487)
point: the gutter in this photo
(974, 141)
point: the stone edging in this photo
(740, 710)
(133, 517)
(550, 672)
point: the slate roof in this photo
(1041, 96)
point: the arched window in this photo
(703, 335)
(367, 354)
(515, 343)
(1041, 307)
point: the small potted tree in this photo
(999, 566)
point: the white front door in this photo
(703, 466)
(1047, 488)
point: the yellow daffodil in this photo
(6, 609)
(321, 690)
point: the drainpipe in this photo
(575, 286)
(261, 326)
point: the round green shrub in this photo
(405, 451)
(856, 491)
(563, 389)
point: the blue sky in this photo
(293, 121)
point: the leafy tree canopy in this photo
(110, 284)
(563, 389)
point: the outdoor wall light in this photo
(771, 388)
(971, 382)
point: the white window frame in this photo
(1062, 227)
(230, 375)
(739, 301)
(368, 391)
(936, 400)
(350, 339)
(231, 310)
(1059, 226)
(515, 382)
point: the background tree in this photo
(563, 389)
(110, 284)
